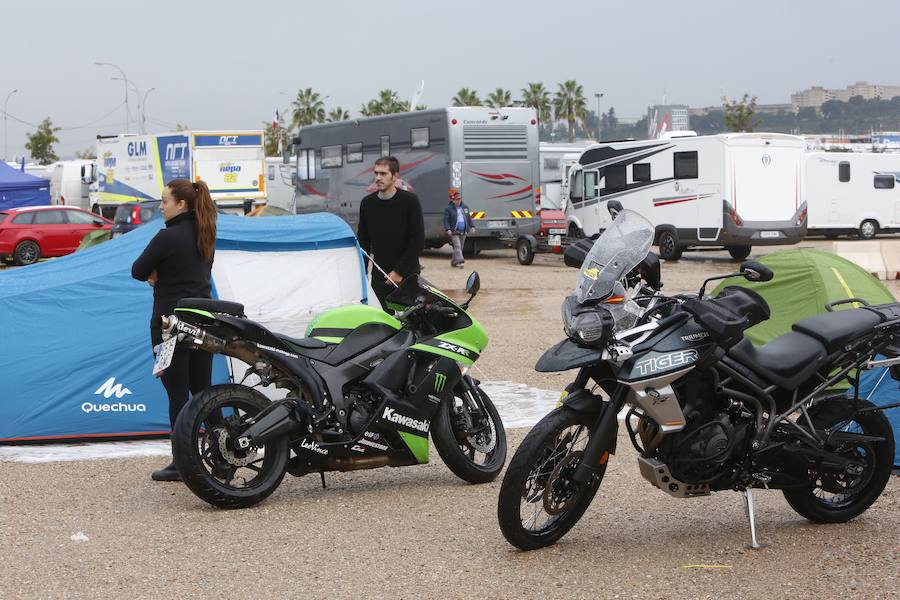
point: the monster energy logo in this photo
(439, 380)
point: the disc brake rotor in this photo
(229, 455)
(484, 441)
(560, 490)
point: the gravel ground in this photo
(420, 532)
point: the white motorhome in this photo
(852, 193)
(70, 182)
(735, 190)
(136, 167)
(280, 183)
(555, 158)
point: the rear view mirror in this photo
(614, 207)
(755, 271)
(98, 222)
(473, 284)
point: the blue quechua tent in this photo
(21, 189)
(75, 352)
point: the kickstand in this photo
(748, 502)
(322, 474)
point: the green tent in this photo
(93, 238)
(805, 280)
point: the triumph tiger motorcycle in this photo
(706, 410)
(364, 390)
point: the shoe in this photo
(169, 473)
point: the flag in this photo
(277, 119)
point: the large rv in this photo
(735, 190)
(136, 167)
(490, 156)
(853, 193)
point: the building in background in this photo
(667, 117)
(815, 96)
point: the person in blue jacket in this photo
(458, 223)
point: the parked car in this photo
(132, 214)
(28, 234)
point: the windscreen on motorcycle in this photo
(616, 252)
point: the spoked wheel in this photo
(539, 500)
(212, 463)
(838, 497)
(469, 435)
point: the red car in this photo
(28, 234)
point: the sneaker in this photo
(169, 473)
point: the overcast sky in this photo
(228, 65)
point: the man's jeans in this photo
(458, 239)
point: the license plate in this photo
(495, 224)
(557, 232)
(769, 234)
(164, 356)
(554, 240)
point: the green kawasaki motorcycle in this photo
(364, 389)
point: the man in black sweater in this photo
(391, 229)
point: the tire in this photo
(211, 478)
(865, 489)
(519, 488)
(524, 252)
(27, 253)
(669, 249)
(575, 232)
(739, 252)
(868, 229)
(460, 451)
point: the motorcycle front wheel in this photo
(539, 501)
(210, 462)
(469, 435)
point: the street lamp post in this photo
(144, 111)
(137, 94)
(5, 103)
(598, 96)
(106, 64)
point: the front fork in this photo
(602, 441)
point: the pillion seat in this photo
(834, 329)
(787, 361)
(217, 306)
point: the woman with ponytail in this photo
(177, 263)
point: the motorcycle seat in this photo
(787, 361)
(834, 329)
(218, 306)
(310, 343)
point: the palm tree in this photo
(466, 97)
(537, 97)
(338, 114)
(418, 106)
(570, 104)
(390, 102)
(499, 98)
(308, 108)
(371, 109)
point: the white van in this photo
(70, 182)
(280, 183)
(734, 190)
(554, 158)
(852, 193)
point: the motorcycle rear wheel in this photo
(539, 502)
(472, 445)
(209, 462)
(839, 498)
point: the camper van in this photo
(735, 190)
(555, 159)
(136, 167)
(70, 182)
(853, 193)
(489, 155)
(280, 183)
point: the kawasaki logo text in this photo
(399, 419)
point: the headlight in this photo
(586, 325)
